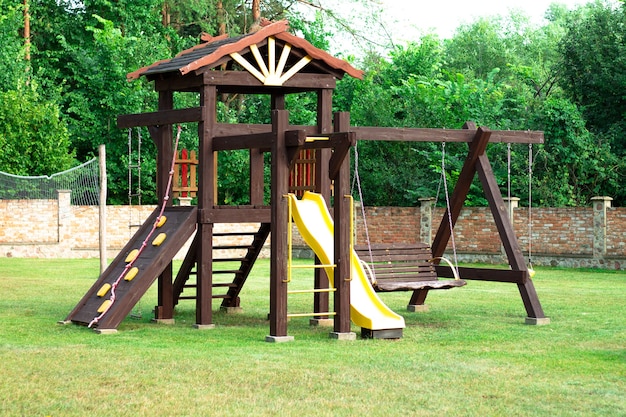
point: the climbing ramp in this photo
(96, 308)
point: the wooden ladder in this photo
(223, 266)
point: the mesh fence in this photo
(83, 181)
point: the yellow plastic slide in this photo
(316, 227)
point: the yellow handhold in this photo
(159, 239)
(132, 273)
(104, 289)
(531, 272)
(105, 306)
(162, 221)
(132, 255)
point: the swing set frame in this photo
(476, 164)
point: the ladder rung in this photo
(228, 271)
(232, 247)
(235, 234)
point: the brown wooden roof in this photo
(213, 53)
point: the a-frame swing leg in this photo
(509, 241)
(477, 162)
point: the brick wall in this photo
(581, 237)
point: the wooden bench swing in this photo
(405, 267)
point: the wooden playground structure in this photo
(276, 63)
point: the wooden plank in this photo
(161, 117)
(438, 284)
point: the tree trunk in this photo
(256, 16)
(165, 14)
(26, 31)
(221, 20)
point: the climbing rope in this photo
(130, 264)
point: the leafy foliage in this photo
(33, 139)
(564, 78)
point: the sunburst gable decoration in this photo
(271, 73)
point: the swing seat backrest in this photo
(402, 267)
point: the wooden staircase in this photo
(229, 272)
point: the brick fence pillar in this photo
(511, 204)
(600, 204)
(426, 219)
(64, 220)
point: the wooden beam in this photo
(395, 134)
(398, 134)
(249, 141)
(483, 274)
(179, 83)
(236, 214)
(159, 118)
(244, 81)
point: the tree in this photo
(33, 138)
(584, 165)
(594, 51)
(12, 54)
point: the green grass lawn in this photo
(470, 355)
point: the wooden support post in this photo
(164, 312)
(257, 177)
(207, 191)
(279, 219)
(321, 301)
(342, 237)
(102, 208)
